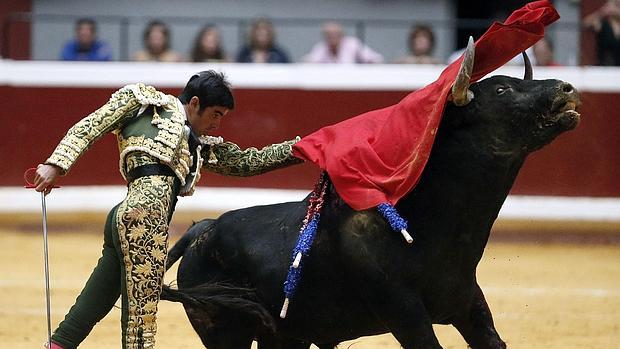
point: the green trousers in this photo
(132, 266)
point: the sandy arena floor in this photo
(542, 296)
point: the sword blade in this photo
(47, 270)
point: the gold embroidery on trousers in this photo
(142, 222)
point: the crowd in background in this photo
(261, 45)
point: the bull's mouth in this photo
(563, 113)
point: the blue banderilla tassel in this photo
(397, 222)
(302, 247)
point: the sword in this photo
(30, 185)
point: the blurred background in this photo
(297, 66)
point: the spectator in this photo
(337, 48)
(85, 46)
(208, 46)
(421, 44)
(262, 47)
(606, 23)
(543, 53)
(156, 42)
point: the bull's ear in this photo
(461, 95)
(529, 72)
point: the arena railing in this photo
(377, 77)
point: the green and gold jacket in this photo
(146, 120)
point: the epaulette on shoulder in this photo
(147, 95)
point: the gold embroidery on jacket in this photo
(177, 160)
(168, 145)
(142, 222)
(233, 161)
(138, 158)
(143, 144)
(148, 95)
(190, 186)
(86, 131)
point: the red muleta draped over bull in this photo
(378, 157)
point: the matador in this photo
(162, 141)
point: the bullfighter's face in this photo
(204, 120)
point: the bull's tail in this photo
(190, 235)
(218, 298)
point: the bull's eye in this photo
(500, 90)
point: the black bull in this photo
(361, 278)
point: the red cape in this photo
(379, 156)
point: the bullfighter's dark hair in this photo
(211, 88)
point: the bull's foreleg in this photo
(401, 311)
(476, 325)
(375, 272)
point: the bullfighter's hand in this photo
(45, 177)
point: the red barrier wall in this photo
(583, 162)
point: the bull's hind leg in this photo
(476, 325)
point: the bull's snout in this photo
(566, 98)
(564, 106)
(567, 88)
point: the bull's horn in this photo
(529, 72)
(461, 95)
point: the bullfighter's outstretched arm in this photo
(86, 131)
(233, 161)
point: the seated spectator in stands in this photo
(156, 42)
(338, 48)
(262, 47)
(606, 23)
(86, 46)
(421, 45)
(208, 46)
(543, 53)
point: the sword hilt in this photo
(29, 179)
